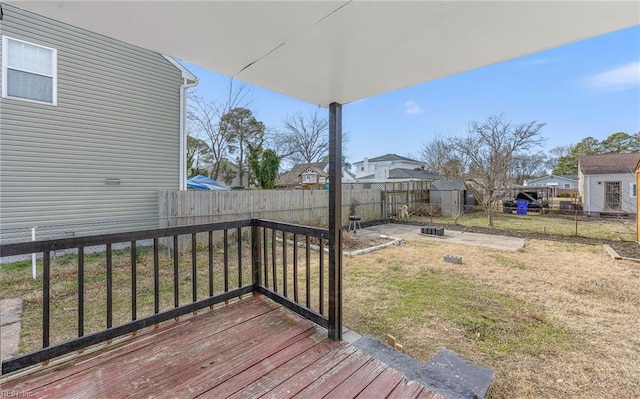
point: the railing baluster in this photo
(273, 260)
(239, 257)
(109, 287)
(46, 296)
(114, 328)
(255, 256)
(156, 277)
(80, 291)
(308, 270)
(284, 263)
(226, 260)
(266, 257)
(210, 263)
(321, 277)
(194, 268)
(134, 281)
(295, 267)
(176, 291)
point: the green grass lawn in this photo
(492, 321)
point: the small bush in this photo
(428, 210)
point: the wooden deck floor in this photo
(249, 349)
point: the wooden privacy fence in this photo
(303, 207)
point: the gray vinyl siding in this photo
(117, 116)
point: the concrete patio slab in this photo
(406, 231)
(10, 312)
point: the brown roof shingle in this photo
(609, 163)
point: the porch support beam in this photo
(335, 221)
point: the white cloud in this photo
(619, 78)
(411, 108)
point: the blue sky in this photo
(587, 88)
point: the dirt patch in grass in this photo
(555, 319)
(629, 250)
(355, 241)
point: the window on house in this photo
(361, 168)
(29, 71)
(612, 195)
(567, 185)
(633, 190)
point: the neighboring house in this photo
(558, 184)
(310, 175)
(637, 204)
(607, 183)
(451, 195)
(91, 129)
(229, 174)
(392, 167)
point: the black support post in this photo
(335, 221)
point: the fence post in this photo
(575, 206)
(34, 273)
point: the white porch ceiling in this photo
(341, 51)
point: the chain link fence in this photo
(612, 226)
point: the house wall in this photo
(637, 176)
(555, 181)
(117, 116)
(379, 168)
(593, 192)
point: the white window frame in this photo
(309, 178)
(567, 186)
(633, 190)
(53, 75)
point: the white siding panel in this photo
(594, 186)
(117, 117)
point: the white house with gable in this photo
(391, 167)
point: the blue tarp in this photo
(200, 182)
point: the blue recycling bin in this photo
(521, 207)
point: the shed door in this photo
(612, 195)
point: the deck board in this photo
(253, 348)
(358, 381)
(294, 366)
(136, 368)
(333, 377)
(307, 349)
(219, 320)
(382, 385)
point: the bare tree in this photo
(442, 159)
(555, 154)
(204, 116)
(305, 138)
(528, 166)
(490, 148)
